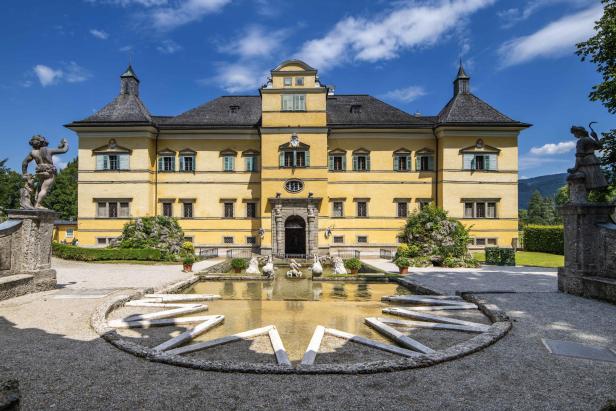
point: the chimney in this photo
(462, 83)
(129, 83)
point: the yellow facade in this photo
(120, 174)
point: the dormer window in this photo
(288, 81)
(299, 81)
(234, 109)
(356, 108)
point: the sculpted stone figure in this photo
(586, 174)
(45, 170)
(268, 268)
(317, 267)
(295, 271)
(338, 266)
(253, 266)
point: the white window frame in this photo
(429, 159)
(250, 163)
(486, 207)
(402, 158)
(299, 81)
(228, 162)
(293, 102)
(183, 158)
(103, 162)
(356, 158)
(287, 81)
(122, 212)
(341, 203)
(489, 161)
(166, 163)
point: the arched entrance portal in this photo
(295, 236)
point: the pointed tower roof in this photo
(127, 107)
(466, 108)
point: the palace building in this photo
(297, 169)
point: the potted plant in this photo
(403, 264)
(188, 262)
(353, 264)
(238, 264)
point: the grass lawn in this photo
(531, 258)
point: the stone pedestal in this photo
(32, 250)
(590, 251)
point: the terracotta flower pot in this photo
(403, 270)
(354, 272)
(188, 268)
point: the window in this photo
(402, 162)
(480, 161)
(294, 186)
(362, 209)
(299, 81)
(423, 204)
(228, 162)
(70, 232)
(228, 209)
(425, 162)
(112, 209)
(402, 209)
(187, 163)
(293, 102)
(104, 241)
(251, 240)
(227, 240)
(362, 239)
(337, 209)
(361, 162)
(166, 163)
(294, 158)
(251, 210)
(288, 81)
(189, 239)
(250, 163)
(168, 209)
(482, 242)
(188, 210)
(338, 239)
(479, 209)
(112, 162)
(337, 162)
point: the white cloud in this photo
(254, 42)
(57, 161)
(71, 73)
(406, 94)
(126, 3)
(510, 17)
(556, 39)
(46, 75)
(99, 34)
(169, 47)
(187, 11)
(413, 25)
(125, 48)
(237, 77)
(552, 149)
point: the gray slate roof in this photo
(125, 108)
(372, 112)
(218, 113)
(468, 108)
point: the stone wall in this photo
(590, 251)
(10, 235)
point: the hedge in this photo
(500, 256)
(545, 239)
(69, 252)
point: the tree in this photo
(63, 195)
(535, 209)
(10, 183)
(600, 49)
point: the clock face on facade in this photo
(294, 186)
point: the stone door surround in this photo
(306, 208)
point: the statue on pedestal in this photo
(45, 171)
(586, 175)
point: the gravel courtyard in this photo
(48, 345)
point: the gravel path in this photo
(47, 343)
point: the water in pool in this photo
(295, 307)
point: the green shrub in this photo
(500, 256)
(408, 251)
(546, 239)
(160, 232)
(239, 264)
(69, 252)
(402, 262)
(352, 264)
(189, 260)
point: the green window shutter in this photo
(354, 163)
(344, 162)
(173, 163)
(307, 158)
(431, 163)
(368, 162)
(123, 159)
(408, 163)
(492, 161)
(469, 161)
(281, 159)
(232, 163)
(160, 164)
(417, 163)
(182, 168)
(330, 163)
(100, 162)
(396, 167)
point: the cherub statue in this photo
(587, 170)
(45, 170)
(294, 271)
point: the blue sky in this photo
(62, 59)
